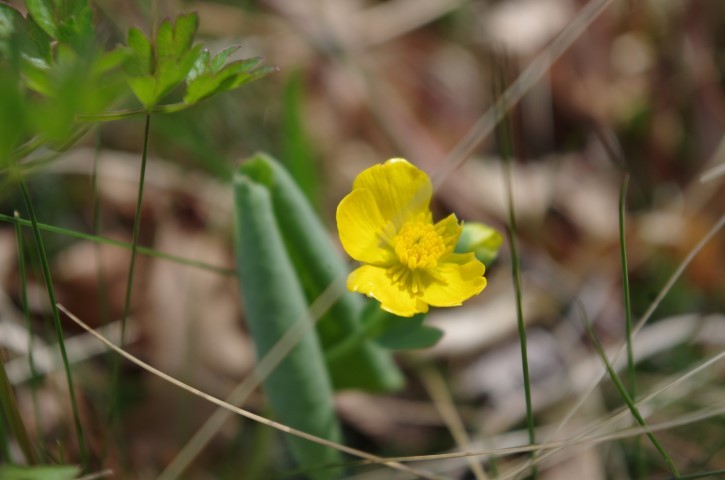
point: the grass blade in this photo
(56, 319)
(623, 391)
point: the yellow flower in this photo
(408, 261)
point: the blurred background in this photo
(642, 90)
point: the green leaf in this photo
(45, 472)
(44, 13)
(173, 40)
(68, 21)
(407, 333)
(21, 35)
(145, 89)
(318, 265)
(140, 62)
(220, 58)
(298, 390)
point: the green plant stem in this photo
(26, 315)
(361, 335)
(505, 147)
(117, 243)
(56, 318)
(631, 374)
(623, 391)
(10, 407)
(132, 112)
(132, 264)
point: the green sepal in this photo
(484, 241)
(318, 266)
(299, 389)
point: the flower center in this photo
(418, 245)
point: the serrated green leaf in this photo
(201, 66)
(107, 61)
(43, 472)
(36, 44)
(171, 73)
(43, 11)
(173, 40)
(144, 89)
(140, 62)
(217, 63)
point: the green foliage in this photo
(68, 21)
(49, 472)
(318, 266)
(155, 69)
(299, 389)
(401, 333)
(154, 72)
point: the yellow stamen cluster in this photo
(418, 245)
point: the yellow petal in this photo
(458, 277)
(449, 229)
(375, 282)
(400, 189)
(360, 225)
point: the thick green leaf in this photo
(44, 472)
(318, 266)
(299, 390)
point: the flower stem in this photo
(132, 265)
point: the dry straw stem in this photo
(515, 92)
(441, 396)
(653, 306)
(245, 413)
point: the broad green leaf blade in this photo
(299, 390)
(45, 472)
(318, 265)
